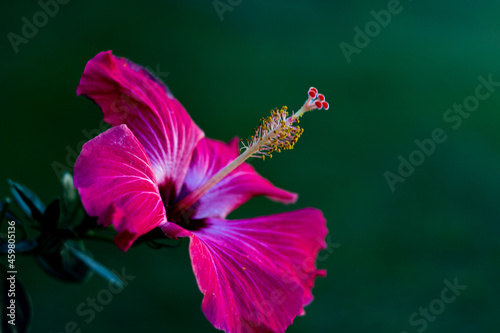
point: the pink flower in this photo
(155, 168)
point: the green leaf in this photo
(27, 200)
(58, 261)
(72, 211)
(24, 246)
(50, 220)
(23, 309)
(4, 207)
(97, 267)
(70, 194)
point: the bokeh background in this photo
(392, 250)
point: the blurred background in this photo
(229, 63)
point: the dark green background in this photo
(396, 248)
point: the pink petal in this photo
(235, 189)
(129, 94)
(117, 184)
(256, 274)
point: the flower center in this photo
(275, 133)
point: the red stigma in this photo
(313, 92)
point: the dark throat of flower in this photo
(274, 134)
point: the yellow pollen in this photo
(275, 132)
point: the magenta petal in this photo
(235, 189)
(117, 184)
(256, 274)
(129, 94)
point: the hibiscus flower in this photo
(155, 169)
